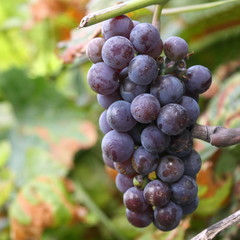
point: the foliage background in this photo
(53, 182)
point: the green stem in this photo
(193, 8)
(117, 10)
(97, 211)
(156, 16)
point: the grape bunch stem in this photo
(218, 136)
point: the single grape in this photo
(136, 132)
(143, 161)
(119, 116)
(167, 217)
(167, 89)
(94, 50)
(145, 108)
(157, 193)
(125, 167)
(184, 191)
(146, 38)
(195, 96)
(123, 182)
(109, 162)
(133, 200)
(103, 124)
(172, 119)
(191, 207)
(118, 26)
(102, 79)
(123, 73)
(129, 90)
(117, 52)
(175, 48)
(140, 219)
(106, 100)
(192, 164)
(181, 145)
(170, 169)
(135, 23)
(198, 79)
(117, 146)
(143, 69)
(192, 108)
(154, 140)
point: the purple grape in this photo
(103, 124)
(143, 161)
(129, 90)
(154, 140)
(117, 146)
(118, 26)
(167, 217)
(143, 69)
(109, 162)
(94, 50)
(133, 200)
(145, 108)
(135, 23)
(117, 52)
(102, 79)
(123, 182)
(198, 79)
(192, 164)
(156, 52)
(157, 193)
(184, 191)
(146, 38)
(119, 116)
(125, 167)
(140, 219)
(191, 207)
(136, 132)
(175, 48)
(170, 169)
(123, 73)
(172, 119)
(192, 109)
(181, 145)
(106, 100)
(167, 89)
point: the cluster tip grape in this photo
(151, 105)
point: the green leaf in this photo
(5, 150)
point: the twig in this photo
(212, 231)
(218, 136)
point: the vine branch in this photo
(218, 136)
(212, 231)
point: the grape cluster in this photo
(151, 105)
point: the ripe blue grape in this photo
(175, 48)
(143, 161)
(154, 140)
(157, 193)
(117, 52)
(118, 26)
(94, 49)
(143, 69)
(125, 167)
(119, 116)
(109, 162)
(146, 39)
(191, 207)
(172, 119)
(167, 89)
(133, 200)
(140, 219)
(123, 182)
(103, 79)
(145, 108)
(106, 100)
(184, 191)
(136, 132)
(167, 217)
(103, 124)
(198, 79)
(117, 146)
(170, 169)
(129, 90)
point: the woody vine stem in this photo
(218, 136)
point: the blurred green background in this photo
(53, 183)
